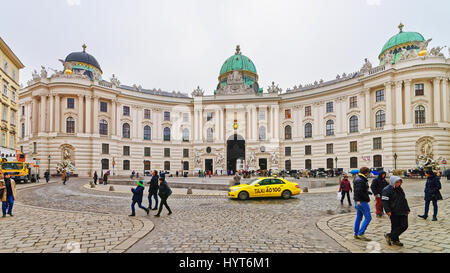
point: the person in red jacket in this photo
(345, 188)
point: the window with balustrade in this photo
(70, 125)
(353, 124)
(166, 134)
(330, 127)
(308, 130)
(103, 129)
(147, 132)
(126, 130)
(186, 135)
(380, 119)
(288, 132)
(419, 114)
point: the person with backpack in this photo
(164, 193)
(362, 199)
(377, 186)
(345, 188)
(138, 193)
(396, 207)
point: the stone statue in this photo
(43, 72)
(35, 75)
(274, 158)
(388, 58)
(251, 159)
(66, 154)
(366, 67)
(423, 45)
(115, 81)
(274, 89)
(436, 51)
(219, 160)
(197, 160)
(65, 166)
(197, 92)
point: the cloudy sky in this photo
(178, 45)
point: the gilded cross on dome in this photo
(84, 47)
(401, 27)
(238, 49)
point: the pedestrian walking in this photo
(163, 174)
(432, 194)
(362, 199)
(153, 191)
(377, 186)
(345, 188)
(105, 178)
(38, 177)
(164, 193)
(396, 207)
(7, 193)
(138, 193)
(64, 178)
(47, 175)
(95, 177)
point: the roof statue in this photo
(436, 51)
(274, 89)
(366, 67)
(197, 92)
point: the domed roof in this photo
(238, 62)
(401, 38)
(83, 57)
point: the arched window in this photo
(288, 132)
(353, 124)
(308, 130)
(419, 114)
(103, 129)
(167, 134)
(126, 130)
(70, 125)
(147, 133)
(209, 134)
(380, 119)
(262, 133)
(330, 127)
(186, 134)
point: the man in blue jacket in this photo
(164, 193)
(396, 206)
(138, 193)
(432, 194)
(362, 199)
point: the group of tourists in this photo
(158, 186)
(390, 198)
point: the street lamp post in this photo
(395, 161)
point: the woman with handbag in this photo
(432, 194)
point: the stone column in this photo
(95, 121)
(140, 129)
(295, 122)
(51, 119)
(118, 123)
(408, 91)
(398, 103)
(221, 123)
(368, 109)
(316, 125)
(195, 125)
(255, 124)
(134, 126)
(388, 94)
(277, 122)
(80, 114)
(28, 120)
(436, 99)
(445, 98)
(300, 121)
(57, 113)
(200, 124)
(114, 117)
(362, 106)
(88, 114)
(34, 116)
(42, 113)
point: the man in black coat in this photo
(377, 186)
(362, 199)
(432, 194)
(138, 193)
(153, 191)
(164, 193)
(396, 206)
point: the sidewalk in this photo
(176, 191)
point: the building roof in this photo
(5, 48)
(238, 62)
(83, 57)
(401, 38)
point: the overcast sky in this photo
(178, 45)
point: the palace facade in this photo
(392, 115)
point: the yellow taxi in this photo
(265, 187)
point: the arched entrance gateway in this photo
(235, 151)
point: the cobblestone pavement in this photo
(422, 235)
(209, 223)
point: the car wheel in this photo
(243, 195)
(286, 194)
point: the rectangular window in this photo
(419, 89)
(11, 141)
(70, 103)
(105, 148)
(5, 112)
(167, 165)
(379, 95)
(167, 116)
(209, 116)
(34, 147)
(287, 113)
(147, 114)
(103, 106)
(329, 107)
(330, 148)
(126, 111)
(126, 150)
(147, 151)
(166, 152)
(377, 143)
(287, 151)
(185, 152)
(126, 165)
(353, 146)
(13, 95)
(308, 150)
(185, 117)
(353, 102)
(186, 165)
(307, 111)
(262, 115)
(5, 89)
(13, 117)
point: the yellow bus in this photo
(19, 171)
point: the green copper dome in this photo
(238, 62)
(401, 39)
